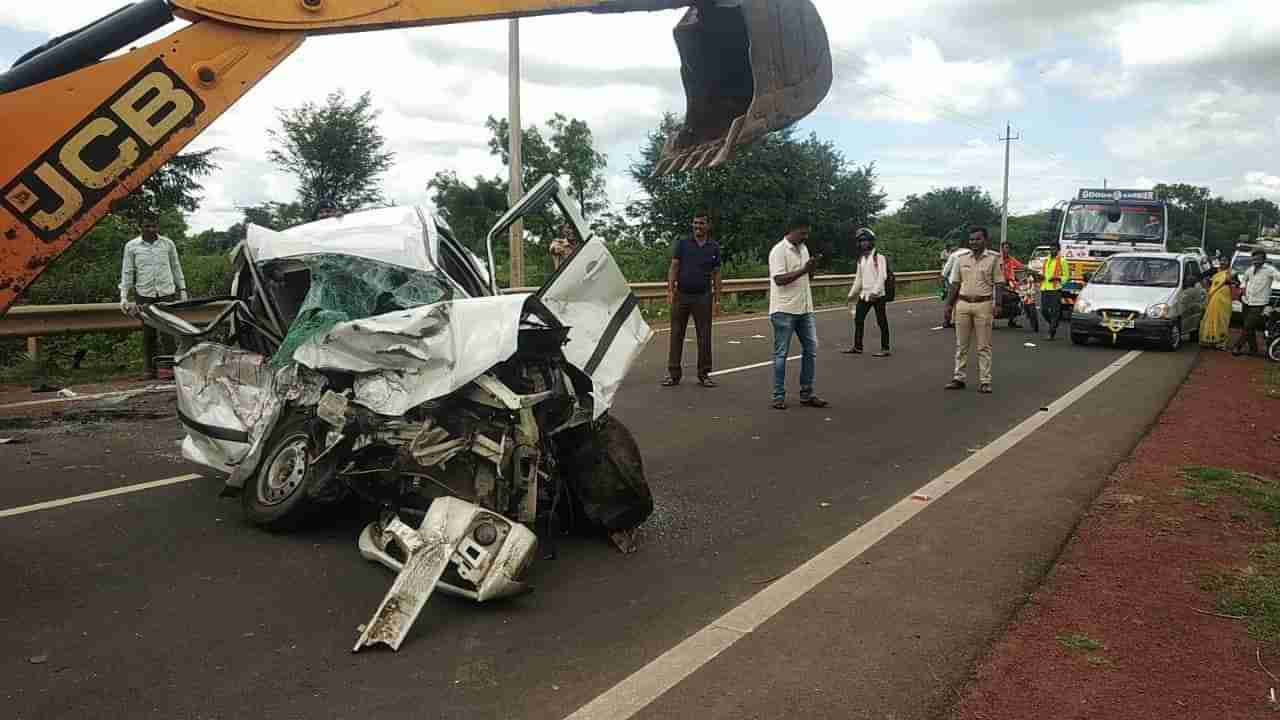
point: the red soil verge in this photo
(1130, 579)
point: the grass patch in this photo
(1252, 591)
(1079, 641)
(1206, 484)
(1271, 381)
(1101, 661)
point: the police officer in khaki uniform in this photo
(971, 306)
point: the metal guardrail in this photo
(34, 321)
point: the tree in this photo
(1227, 220)
(569, 153)
(939, 212)
(276, 215)
(470, 210)
(752, 197)
(175, 187)
(335, 151)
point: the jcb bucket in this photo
(749, 67)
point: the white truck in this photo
(1102, 223)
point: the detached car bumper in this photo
(1145, 329)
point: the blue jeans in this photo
(805, 328)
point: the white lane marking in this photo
(753, 366)
(22, 510)
(765, 316)
(649, 682)
(98, 396)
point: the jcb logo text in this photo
(78, 171)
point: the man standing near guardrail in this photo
(152, 272)
(971, 306)
(791, 312)
(693, 288)
(869, 292)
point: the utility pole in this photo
(1204, 224)
(1004, 213)
(516, 186)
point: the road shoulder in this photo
(895, 633)
(1156, 608)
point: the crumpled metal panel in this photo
(445, 537)
(393, 235)
(606, 330)
(222, 388)
(407, 358)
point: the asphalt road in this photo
(164, 603)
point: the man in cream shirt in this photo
(152, 272)
(791, 312)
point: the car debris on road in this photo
(372, 357)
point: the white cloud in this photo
(1180, 33)
(1259, 184)
(1226, 120)
(921, 85)
(1088, 80)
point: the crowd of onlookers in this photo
(979, 287)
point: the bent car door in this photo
(590, 296)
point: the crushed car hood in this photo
(406, 358)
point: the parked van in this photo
(1151, 296)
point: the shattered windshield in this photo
(330, 289)
(1139, 272)
(1138, 221)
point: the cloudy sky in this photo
(1134, 92)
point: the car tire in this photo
(276, 496)
(602, 465)
(1079, 339)
(1173, 341)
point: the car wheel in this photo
(1173, 342)
(276, 496)
(1079, 339)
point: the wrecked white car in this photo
(371, 356)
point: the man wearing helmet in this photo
(869, 292)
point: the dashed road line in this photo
(650, 682)
(50, 504)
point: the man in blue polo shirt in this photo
(693, 288)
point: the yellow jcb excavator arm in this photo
(82, 132)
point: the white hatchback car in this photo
(1156, 297)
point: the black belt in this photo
(976, 298)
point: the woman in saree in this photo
(1215, 328)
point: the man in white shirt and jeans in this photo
(1257, 281)
(152, 272)
(791, 312)
(868, 292)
